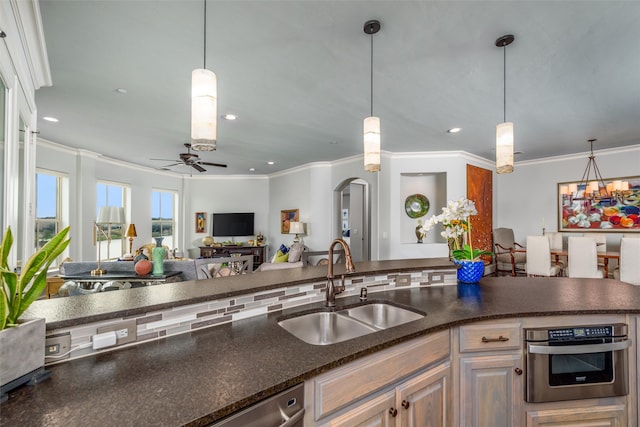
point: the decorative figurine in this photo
(420, 232)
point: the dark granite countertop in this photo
(198, 377)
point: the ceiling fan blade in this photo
(173, 164)
(220, 165)
(198, 167)
(167, 160)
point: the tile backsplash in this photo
(182, 319)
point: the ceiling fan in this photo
(191, 159)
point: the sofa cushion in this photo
(268, 266)
(280, 257)
(295, 252)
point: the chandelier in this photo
(591, 188)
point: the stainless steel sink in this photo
(324, 328)
(382, 316)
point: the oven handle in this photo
(579, 349)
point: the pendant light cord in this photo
(371, 75)
(205, 36)
(504, 83)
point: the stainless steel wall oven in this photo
(578, 362)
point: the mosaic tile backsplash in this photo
(161, 324)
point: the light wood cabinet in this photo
(490, 384)
(417, 402)
(407, 382)
(491, 390)
(600, 416)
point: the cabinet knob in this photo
(393, 412)
(518, 371)
(405, 404)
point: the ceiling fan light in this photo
(204, 106)
(372, 144)
(504, 147)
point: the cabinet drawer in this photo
(342, 386)
(493, 336)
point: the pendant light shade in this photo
(372, 144)
(204, 107)
(204, 103)
(504, 130)
(504, 147)
(372, 124)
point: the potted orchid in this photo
(457, 230)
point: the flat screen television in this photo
(232, 224)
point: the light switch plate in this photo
(55, 345)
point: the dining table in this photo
(605, 256)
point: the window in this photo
(51, 217)
(110, 235)
(163, 207)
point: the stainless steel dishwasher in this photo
(282, 410)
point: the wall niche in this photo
(434, 187)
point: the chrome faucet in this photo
(333, 290)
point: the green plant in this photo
(17, 292)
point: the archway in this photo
(352, 216)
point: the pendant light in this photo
(204, 103)
(372, 124)
(504, 130)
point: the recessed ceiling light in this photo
(230, 117)
(454, 130)
(50, 119)
(271, 162)
(252, 169)
(121, 90)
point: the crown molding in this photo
(580, 156)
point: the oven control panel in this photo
(583, 332)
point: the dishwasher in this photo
(285, 409)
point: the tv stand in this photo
(259, 252)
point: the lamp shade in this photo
(110, 215)
(296, 227)
(504, 147)
(372, 144)
(131, 231)
(204, 109)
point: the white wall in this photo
(521, 199)
(529, 194)
(212, 194)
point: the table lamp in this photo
(296, 228)
(131, 233)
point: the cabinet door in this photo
(491, 392)
(424, 401)
(376, 412)
(600, 416)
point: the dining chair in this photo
(628, 270)
(510, 256)
(601, 245)
(556, 244)
(539, 257)
(583, 258)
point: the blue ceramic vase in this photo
(157, 258)
(469, 271)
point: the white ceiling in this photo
(297, 75)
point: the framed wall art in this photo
(201, 222)
(581, 207)
(286, 217)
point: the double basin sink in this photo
(330, 327)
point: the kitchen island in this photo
(198, 377)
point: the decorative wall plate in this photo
(416, 205)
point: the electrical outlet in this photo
(125, 331)
(57, 345)
(403, 280)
